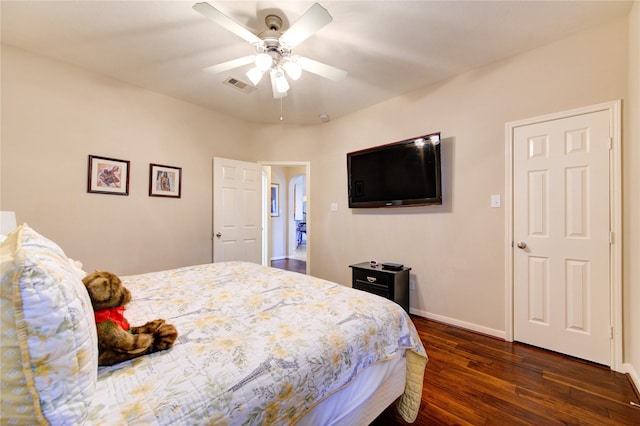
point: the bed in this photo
(256, 345)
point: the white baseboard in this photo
(500, 334)
(278, 258)
(628, 369)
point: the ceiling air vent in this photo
(240, 85)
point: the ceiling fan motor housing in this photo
(271, 39)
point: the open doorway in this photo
(286, 235)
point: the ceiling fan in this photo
(274, 48)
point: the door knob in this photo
(218, 235)
(521, 245)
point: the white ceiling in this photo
(387, 47)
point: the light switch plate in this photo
(334, 207)
(495, 201)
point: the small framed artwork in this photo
(165, 181)
(275, 206)
(108, 176)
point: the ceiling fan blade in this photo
(323, 70)
(312, 20)
(234, 63)
(225, 22)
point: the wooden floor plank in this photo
(479, 380)
(292, 265)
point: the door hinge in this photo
(611, 333)
(610, 143)
(610, 237)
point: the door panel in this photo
(561, 231)
(237, 201)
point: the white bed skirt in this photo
(360, 402)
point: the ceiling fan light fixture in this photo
(263, 61)
(255, 75)
(293, 69)
(282, 85)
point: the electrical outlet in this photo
(412, 284)
(495, 201)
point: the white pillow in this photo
(77, 268)
(49, 344)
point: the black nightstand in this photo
(391, 284)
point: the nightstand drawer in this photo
(379, 289)
(373, 277)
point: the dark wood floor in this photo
(290, 265)
(473, 379)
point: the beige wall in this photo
(279, 223)
(631, 202)
(54, 116)
(456, 251)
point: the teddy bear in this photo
(117, 340)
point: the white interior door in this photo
(561, 234)
(237, 207)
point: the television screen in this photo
(405, 173)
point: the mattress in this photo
(258, 345)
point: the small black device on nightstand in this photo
(392, 284)
(392, 266)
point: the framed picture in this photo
(275, 209)
(108, 176)
(165, 181)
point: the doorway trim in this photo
(307, 166)
(615, 219)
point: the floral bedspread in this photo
(257, 345)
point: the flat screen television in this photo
(404, 173)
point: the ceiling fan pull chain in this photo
(281, 108)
